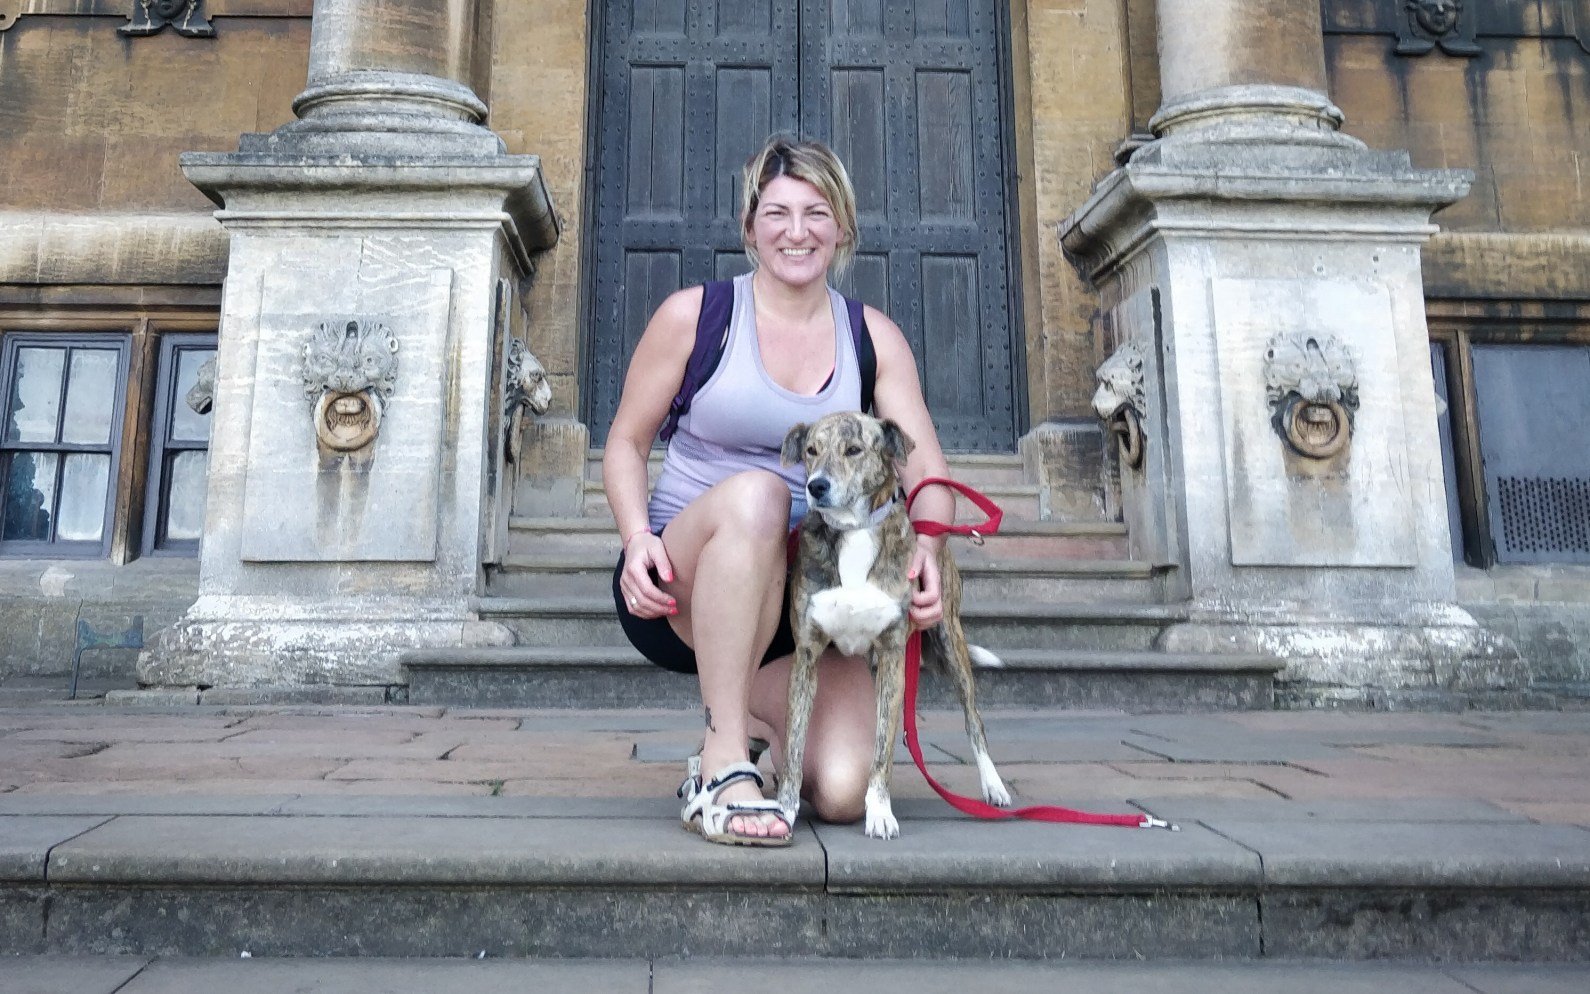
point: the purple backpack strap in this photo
(712, 330)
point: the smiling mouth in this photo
(797, 252)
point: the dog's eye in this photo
(811, 451)
(852, 449)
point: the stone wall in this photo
(95, 121)
(537, 102)
(1076, 57)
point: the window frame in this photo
(166, 368)
(1457, 326)
(10, 346)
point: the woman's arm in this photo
(656, 371)
(897, 395)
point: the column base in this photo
(1440, 663)
(263, 644)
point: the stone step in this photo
(615, 676)
(977, 469)
(611, 877)
(1101, 581)
(533, 538)
(798, 975)
(1022, 501)
(577, 619)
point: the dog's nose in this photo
(817, 487)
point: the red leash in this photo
(913, 669)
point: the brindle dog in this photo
(850, 588)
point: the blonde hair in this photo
(813, 162)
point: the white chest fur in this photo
(853, 613)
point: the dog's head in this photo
(850, 464)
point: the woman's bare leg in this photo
(839, 738)
(728, 554)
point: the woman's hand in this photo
(927, 603)
(643, 555)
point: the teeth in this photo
(804, 251)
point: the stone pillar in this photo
(379, 247)
(1270, 376)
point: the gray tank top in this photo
(738, 419)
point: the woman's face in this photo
(794, 231)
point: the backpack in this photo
(712, 336)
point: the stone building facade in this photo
(428, 182)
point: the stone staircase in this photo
(1074, 619)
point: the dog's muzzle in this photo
(818, 487)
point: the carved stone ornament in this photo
(151, 17)
(1120, 400)
(350, 369)
(1428, 23)
(201, 396)
(527, 390)
(1312, 387)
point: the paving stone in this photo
(1223, 747)
(240, 788)
(1030, 856)
(63, 974)
(22, 914)
(25, 842)
(661, 809)
(153, 732)
(1053, 784)
(150, 802)
(1524, 979)
(124, 761)
(389, 976)
(1275, 809)
(1570, 813)
(916, 977)
(1393, 854)
(278, 850)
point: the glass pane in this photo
(186, 425)
(35, 395)
(90, 397)
(30, 496)
(184, 496)
(84, 484)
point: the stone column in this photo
(1270, 380)
(379, 247)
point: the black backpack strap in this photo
(712, 332)
(866, 358)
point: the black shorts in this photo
(658, 642)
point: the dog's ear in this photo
(794, 442)
(896, 443)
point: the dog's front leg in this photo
(889, 673)
(802, 691)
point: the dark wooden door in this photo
(910, 94)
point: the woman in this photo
(700, 585)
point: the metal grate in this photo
(1544, 515)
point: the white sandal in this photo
(702, 812)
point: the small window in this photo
(1533, 402)
(179, 448)
(62, 398)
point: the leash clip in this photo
(976, 536)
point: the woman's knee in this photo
(836, 789)
(756, 505)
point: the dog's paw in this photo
(994, 791)
(996, 794)
(881, 823)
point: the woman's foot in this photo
(743, 788)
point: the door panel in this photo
(909, 96)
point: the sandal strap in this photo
(733, 774)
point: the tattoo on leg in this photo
(710, 726)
